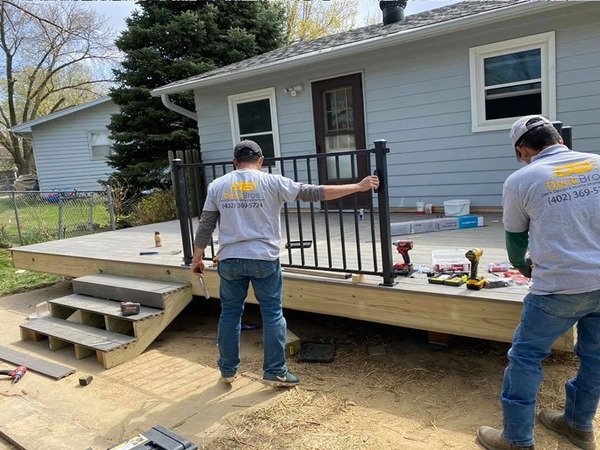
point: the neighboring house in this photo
(442, 87)
(70, 146)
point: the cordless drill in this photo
(16, 374)
(474, 282)
(406, 268)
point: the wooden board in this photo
(29, 425)
(77, 333)
(105, 307)
(34, 364)
(146, 292)
(413, 303)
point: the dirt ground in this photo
(412, 396)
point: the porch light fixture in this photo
(293, 90)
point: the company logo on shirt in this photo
(571, 175)
(242, 190)
(243, 186)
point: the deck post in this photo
(183, 209)
(383, 203)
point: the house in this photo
(70, 146)
(442, 87)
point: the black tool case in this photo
(157, 438)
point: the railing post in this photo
(183, 209)
(383, 202)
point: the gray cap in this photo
(246, 148)
(522, 126)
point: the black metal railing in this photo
(350, 235)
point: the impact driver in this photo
(404, 269)
(474, 282)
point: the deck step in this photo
(105, 307)
(76, 333)
(152, 293)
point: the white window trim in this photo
(261, 94)
(546, 43)
(89, 140)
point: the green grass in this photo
(12, 282)
(39, 219)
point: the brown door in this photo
(340, 126)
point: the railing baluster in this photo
(337, 253)
(383, 205)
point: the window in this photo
(511, 79)
(100, 145)
(253, 116)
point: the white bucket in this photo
(457, 207)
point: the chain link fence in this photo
(29, 217)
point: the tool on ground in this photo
(157, 437)
(84, 381)
(130, 308)
(474, 282)
(15, 374)
(405, 268)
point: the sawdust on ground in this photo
(413, 396)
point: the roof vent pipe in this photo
(393, 11)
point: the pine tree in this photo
(170, 41)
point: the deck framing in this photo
(488, 314)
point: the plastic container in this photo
(451, 260)
(420, 207)
(456, 208)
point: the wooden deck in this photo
(413, 302)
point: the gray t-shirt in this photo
(557, 198)
(249, 203)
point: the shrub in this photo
(157, 207)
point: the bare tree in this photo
(55, 55)
(308, 20)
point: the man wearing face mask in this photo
(551, 207)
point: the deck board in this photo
(412, 302)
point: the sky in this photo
(117, 11)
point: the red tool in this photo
(406, 268)
(16, 374)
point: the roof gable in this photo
(25, 127)
(356, 37)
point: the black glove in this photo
(526, 269)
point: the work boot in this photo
(555, 421)
(492, 439)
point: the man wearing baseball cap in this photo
(246, 202)
(551, 207)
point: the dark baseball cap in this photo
(246, 149)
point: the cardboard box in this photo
(425, 226)
(438, 224)
(401, 228)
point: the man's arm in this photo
(312, 193)
(208, 223)
(333, 191)
(516, 246)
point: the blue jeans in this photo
(543, 320)
(266, 279)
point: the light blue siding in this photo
(62, 153)
(417, 97)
